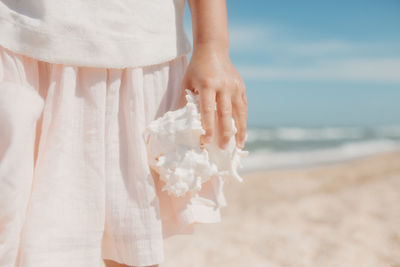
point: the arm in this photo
(211, 73)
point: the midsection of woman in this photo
(79, 82)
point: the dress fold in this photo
(75, 184)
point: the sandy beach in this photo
(342, 214)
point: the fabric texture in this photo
(75, 185)
(95, 33)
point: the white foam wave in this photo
(265, 159)
(321, 133)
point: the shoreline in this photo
(317, 165)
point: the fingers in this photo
(224, 111)
(228, 105)
(207, 110)
(239, 105)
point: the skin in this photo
(211, 74)
(110, 263)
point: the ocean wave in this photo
(266, 159)
(321, 133)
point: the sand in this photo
(343, 214)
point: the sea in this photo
(285, 147)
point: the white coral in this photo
(173, 146)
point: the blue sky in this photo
(317, 62)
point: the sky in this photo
(317, 63)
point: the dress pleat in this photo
(75, 185)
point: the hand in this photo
(211, 74)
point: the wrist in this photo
(211, 47)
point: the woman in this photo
(79, 82)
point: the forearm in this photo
(210, 24)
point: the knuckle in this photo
(237, 83)
(227, 133)
(230, 83)
(225, 82)
(206, 123)
(242, 113)
(239, 103)
(224, 111)
(208, 82)
(207, 109)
